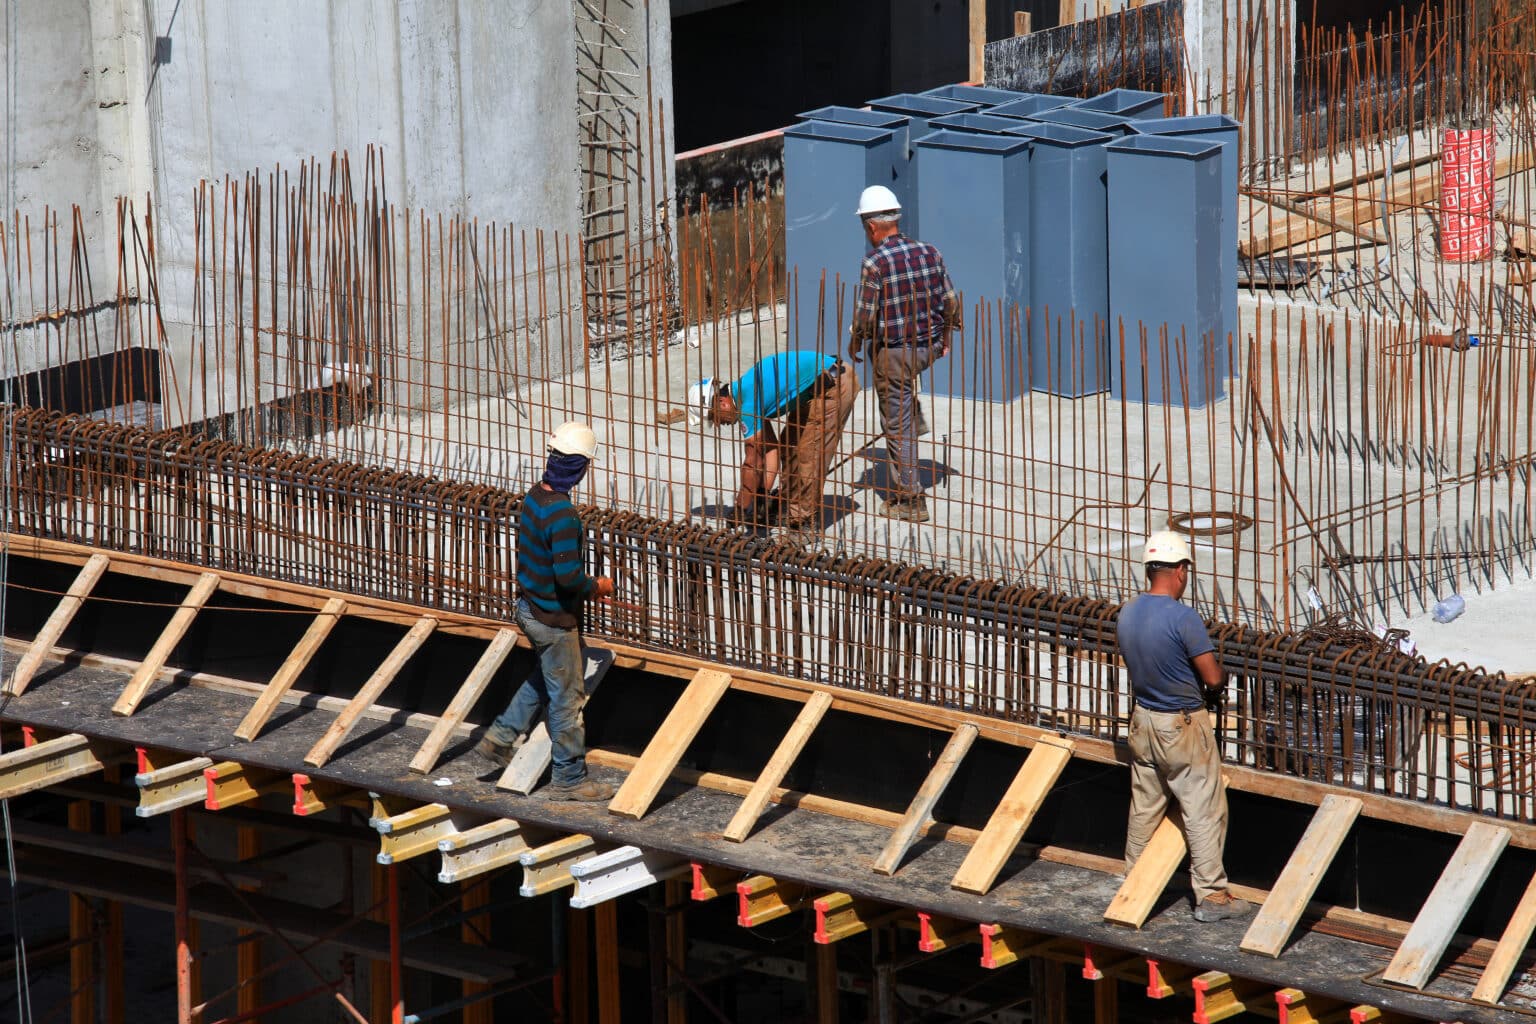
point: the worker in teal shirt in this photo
(813, 395)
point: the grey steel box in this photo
(904, 184)
(826, 166)
(1028, 105)
(919, 110)
(975, 191)
(1089, 120)
(1165, 268)
(981, 94)
(1068, 329)
(1132, 103)
(1223, 129)
(979, 123)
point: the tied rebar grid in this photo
(1326, 705)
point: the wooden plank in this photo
(325, 747)
(920, 810)
(1147, 880)
(177, 628)
(778, 766)
(1021, 21)
(292, 667)
(670, 742)
(1006, 827)
(474, 685)
(1512, 944)
(63, 614)
(978, 36)
(1066, 12)
(1440, 916)
(1277, 919)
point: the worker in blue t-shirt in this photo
(1174, 674)
(813, 395)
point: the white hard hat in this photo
(701, 394)
(878, 199)
(1167, 547)
(574, 438)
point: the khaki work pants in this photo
(812, 432)
(1173, 754)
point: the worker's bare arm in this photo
(1209, 671)
(759, 466)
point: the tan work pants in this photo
(812, 431)
(1173, 754)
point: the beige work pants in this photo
(812, 432)
(1173, 754)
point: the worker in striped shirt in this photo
(552, 586)
(905, 309)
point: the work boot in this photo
(588, 790)
(799, 531)
(1219, 906)
(910, 510)
(498, 753)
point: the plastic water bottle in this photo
(1449, 608)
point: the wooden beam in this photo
(175, 785)
(936, 934)
(778, 766)
(414, 832)
(312, 796)
(1021, 21)
(43, 764)
(1007, 825)
(828, 994)
(325, 748)
(710, 881)
(548, 867)
(481, 850)
(920, 810)
(63, 614)
(474, 685)
(177, 628)
(1066, 12)
(1277, 919)
(1441, 915)
(292, 667)
(1219, 996)
(1146, 881)
(839, 916)
(608, 963)
(230, 784)
(667, 747)
(762, 898)
(1512, 945)
(978, 37)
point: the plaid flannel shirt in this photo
(905, 295)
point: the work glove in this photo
(604, 588)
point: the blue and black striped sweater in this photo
(550, 572)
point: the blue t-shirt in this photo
(773, 386)
(1158, 637)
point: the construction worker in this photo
(1174, 674)
(905, 309)
(814, 395)
(552, 585)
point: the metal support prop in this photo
(609, 875)
(172, 787)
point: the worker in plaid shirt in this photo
(905, 309)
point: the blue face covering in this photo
(562, 472)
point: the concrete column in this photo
(1214, 30)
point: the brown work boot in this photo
(910, 510)
(498, 753)
(588, 790)
(1219, 906)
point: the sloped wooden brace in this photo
(480, 850)
(173, 786)
(474, 685)
(52, 761)
(936, 934)
(231, 784)
(1441, 914)
(670, 742)
(292, 667)
(711, 881)
(1512, 944)
(548, 867)
(761, 898)
(174, 630)
(414, 832)
(1006, 827)
(920, 810)
(325, 748)
(778, 766)
(1218, 996)
(1277, 919)
(839, 915)
(1146, 881)
(311, 795)
(63, 614)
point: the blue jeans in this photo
(556, 682)
(901, 415)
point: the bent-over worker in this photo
(552, 586)
(1174, 672)
(814, 395)
(905, 309)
